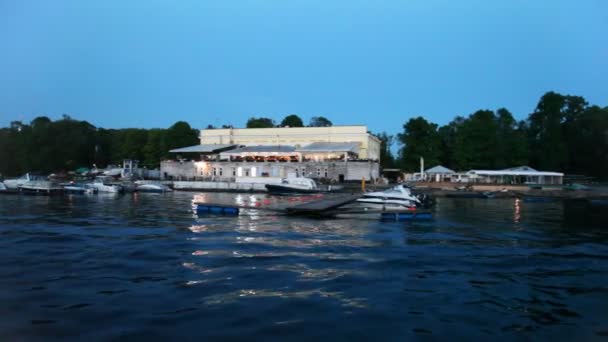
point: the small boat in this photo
(397, 197)
(71, 188)
(101, 184)
(15, 183)
(299, 185)
(5, 190)
(151, 187)
(40, 187)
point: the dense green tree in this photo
(292, 121)
(181, 135)
(386, 156)
(545, 130)
(319, 121)
(155, 148)
(260, 123)
(448, 135)
(420, 138)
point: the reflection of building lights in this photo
(198, 228)
(517, 215)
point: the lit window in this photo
(239, 171)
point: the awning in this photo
(262, 150)
(439, 169)
(514, 173)
(320, 147)
(210, 148)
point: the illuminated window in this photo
(239, 171)
(254, 171)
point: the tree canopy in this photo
(260, 123)
(48, 146)
(564, 133)
(292, 121)
(420, 139)
(319, 121)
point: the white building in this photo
(339, 153)
(516, 175)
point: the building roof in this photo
(520, 168)
(262, 149)
(209, 148)
(330, 147)
(509, 172)
(439, 169)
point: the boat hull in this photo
(282, 189)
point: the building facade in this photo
(369, 145)
(335, 154)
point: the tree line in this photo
(67, 144)
(49, 146)
(564, 133)
(291, 120)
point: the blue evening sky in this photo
(150, 63)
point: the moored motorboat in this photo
(151, 187)
(40, 187)
(15, 183)
(298, 185)
(71, 188)
(396, 197)
(101, 185)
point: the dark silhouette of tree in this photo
(292, 121)
(386, 156)
(260, 123)
(420, 139)
(319, 121)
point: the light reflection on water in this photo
(145, 266)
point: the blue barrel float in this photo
(405, 216)
(216, 209)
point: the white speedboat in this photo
(399, 196)
(299, 185)
(101, 185)
(71, 188)
(15, 183)
(41, 187)
(151, 187)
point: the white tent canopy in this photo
(439, 169)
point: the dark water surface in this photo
(138, 267)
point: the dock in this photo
(321, 207)
(332, 207)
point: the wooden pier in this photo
(321, 207)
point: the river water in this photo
(143, 266)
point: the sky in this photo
(150, 63)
